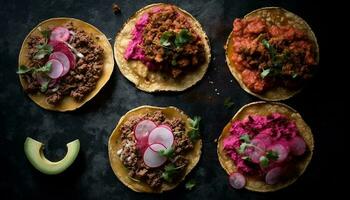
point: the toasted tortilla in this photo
(114, 144)
(273, 15)
(153, 81)
(68, 103)
(264, 108)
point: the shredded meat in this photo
(175, 61)
(291, 63)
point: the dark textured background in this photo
(91, 176)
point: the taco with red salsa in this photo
(272, 53)
(64, 62)
(265, 147)
(152, 149)
(162, 48)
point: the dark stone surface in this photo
(91, 176)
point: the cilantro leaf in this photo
(228, 103)
(169, 153)
(245, 138)
(22, 69)
(295, 75)
(273, 155)
(165, 39)
(264, 161)
(44, 50)
(242, 147)
(190, 184)
(46, 34)
(194, 126)
(182, 38)
(44, 86)
(46, 68)
(270, 48)
(169, 171)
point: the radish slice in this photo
(56, 69)
(297, 146)
(259, 143)
(166, 126)
(237, 180)
(63, 59)
(281, 151)
(41, 78)
(161, 135)
(255, 156)
(143, 128)
(273, 176)
(61, 47)
(151, 156)
(157, 147)
(59, 34)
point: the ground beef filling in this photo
(172, 60)
(132, 158)
(290, 60)
(78, 82)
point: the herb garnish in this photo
(43, 50)
(24, 69)
(169, 152)
(194, 126)
(228, 103)
(190, 184)
(277, 61)
(182, 38)
(170, 171)
(264, 161)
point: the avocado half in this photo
(34, 152)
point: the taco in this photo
(272, 53)
(265, 147)
(162, 48)
(64, 62)
(152, 149)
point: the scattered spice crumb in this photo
(211, 82)
(231, 81)
(216, 90)
(116, 8)
(218, 93)
(216, 140)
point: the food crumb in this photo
(116, 8)
(231, 81)
(211, 82)
(215, 140)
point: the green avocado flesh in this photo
(34, 152)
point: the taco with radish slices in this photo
(265, 147)
(64, 62)
(162, 48)
(152, 149)
(272, 53)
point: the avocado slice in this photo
(34, 152)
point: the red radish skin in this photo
(161, 135)
(297, 146)
(281, 151)
(157, 147)
(63, 59)
(255, 156)
(273, 176)
(59, 34)
(152, 158)
(143, 128)
(61, 47)
(56, 69)
(237, 180)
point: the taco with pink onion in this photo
(64, 62)
(265, 147)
